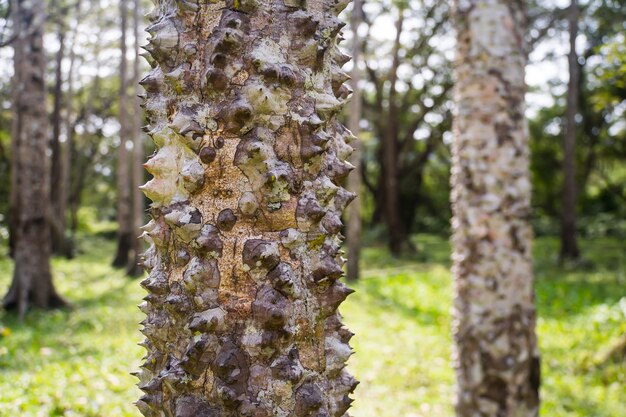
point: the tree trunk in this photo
(57, 209)
(66, 158)
(397, 236)
(496, 356)
(245, 233)
(124, 231)
(569, 247)
(32, 280)
(354, 180)
(137, 247)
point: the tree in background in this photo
(600, 141)
(496, 356)
(406, 103)
(137, 200)
(62, 115)
(354, 119)
(569, 247)
(57, 200)
(30, 174)
(245, 232)
(124, 203)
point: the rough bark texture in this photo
(134, 267)
(124, 232)
(245, 247)
(32, 280)
(354, 181)
(496, 356)
(569, 246)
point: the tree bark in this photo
(137, 247)
(354, 180)
(496, 354)
(569, 246)
(245, 233)
(32, 280)
(124, 231)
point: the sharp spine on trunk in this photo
(245, 232)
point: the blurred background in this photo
(76, 361)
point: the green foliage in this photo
(77, 362)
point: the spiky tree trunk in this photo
(137, 247)
(354, 181)
(569, 246)
(124, 220)
(245, 247)
(496, 357)
(32, 280)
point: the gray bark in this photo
(30, 169)
(496, 354)
(245, 233)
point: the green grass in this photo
(77, 362)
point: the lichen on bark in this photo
(244, 253)
(496, 356)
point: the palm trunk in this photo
(569, 247)
(245, 232)
(32, 280)
(124, 233)
(137, 247)
(496, 356)
(354, 180)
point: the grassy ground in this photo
(76, 363)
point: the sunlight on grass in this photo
(77, 362)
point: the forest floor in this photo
(76, 362)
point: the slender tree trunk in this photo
(57, 217)
(32, 280)
(569, 247)
(64, 188)
(390, 154)
(496, 356)
(354, 180)
(137, 247)
(245, 233)
(124, 220)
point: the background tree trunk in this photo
(124, 213)
(569, 247)
(137, 247)
(245, 232)
(32, 280)
(354, 180)
(397, 238)
(57, 208)
(496, 357)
